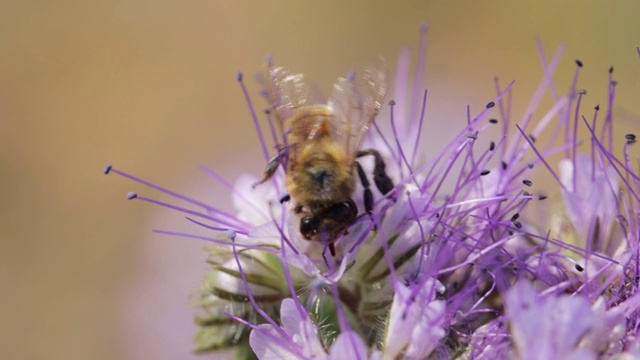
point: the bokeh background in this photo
(150, 87)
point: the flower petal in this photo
(416, 321)
(548, 328)
(592, 199)
(349, 345)
(266, 343)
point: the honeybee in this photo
(321, 147)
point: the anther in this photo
(107, 169)
(239, 76)
(231, 234)
(484, 172)
(132, 195)
(527, 182)
(579, 63)
(490, 105)
(492, 146)
(493, 121)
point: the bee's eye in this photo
(309, 226)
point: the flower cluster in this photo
(458, 263)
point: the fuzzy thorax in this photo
(322, 176)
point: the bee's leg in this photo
(332, 249)
(343, 212)
(380, 177)
(368, 195)
(270, 169)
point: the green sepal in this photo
(366, 268)
(244, 352)
(398, 262)
(219, 337)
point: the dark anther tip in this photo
(392, 102)
(579, 268)
(284, 198)
(490, 105)
(484, 172)
(107, 169)
(527, 182)
(132, 195)
(239, 76)
(579, 63)
(493, 121)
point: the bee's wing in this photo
(355, 106)
(286, 93)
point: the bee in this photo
(321, 147)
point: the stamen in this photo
(174, 194)
(419, 132)
(254, 117)
(541, 158)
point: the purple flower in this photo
(301, 339)
(453, 264)
(416, 320)
(563, 326)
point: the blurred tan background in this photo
(150, 86)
